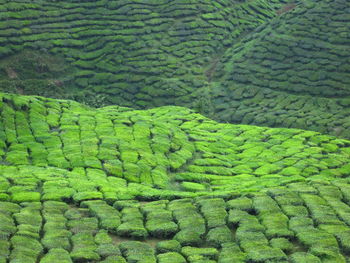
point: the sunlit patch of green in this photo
(170, 184)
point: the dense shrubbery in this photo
(166, 185)
(260, 62)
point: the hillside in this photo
(275, 63)
(132, 53)
(166, 185)
(263, 177)
(292, 72)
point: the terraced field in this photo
(291, 72)
(275, 63)
(166, 185)
(131, 53)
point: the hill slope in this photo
(271, 63)
(132, 53)
(291, 72)
(81, 184)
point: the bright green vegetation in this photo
(166, 185)
(118, 153)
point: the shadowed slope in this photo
(291, 72)
(130, 53)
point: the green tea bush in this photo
(109, 218)
(4, 249)
(57, 255)
(208, 253)
(219, 235)
(145, 188)
(84, 247)
(7, 225)
(114, 259)
(168, 246)
(132, 224)
(171, 257)
(262, 254)
(78, 224)
(82, 196)
(240, 203)
(135, 251)
(55, 233)
(304, 257)
(160, 223)
(230, 252)
(189, 237)
(25, 248)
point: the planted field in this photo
(126, 52)
(290, 72)
(275, 63)
(166, 185)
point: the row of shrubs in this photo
(292, 72)
(305, 223)
(167, 148)
(151, 41)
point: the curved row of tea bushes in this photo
(165, 185)
(130, 53)
(119, 153)
(232, 60)
(291, 72)
(297, 223)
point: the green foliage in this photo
(160, 223)
(171, 257)
(81, 196)
(114, 259)
(265, 254)
(25, 248)
(57, 255)
(209, 253)
(304, 257)
(168, 246)
(132, 224)
(219, 235)
(84, 247)
(108, 216)
(240, 203)
(82, 212)
(188, 237)
(231, 252)
(135, 251)
(26, 197)
(198, 61)
(82, 225)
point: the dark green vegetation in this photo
(34, 72)
(131, 53)
(274, 63)
(166, 185)
(291, 72)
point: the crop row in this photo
(292, 72)
(160, 147)
(299, 223)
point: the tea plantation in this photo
(291, 72)
(276, 63)
(128, 52)
(166, 185)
